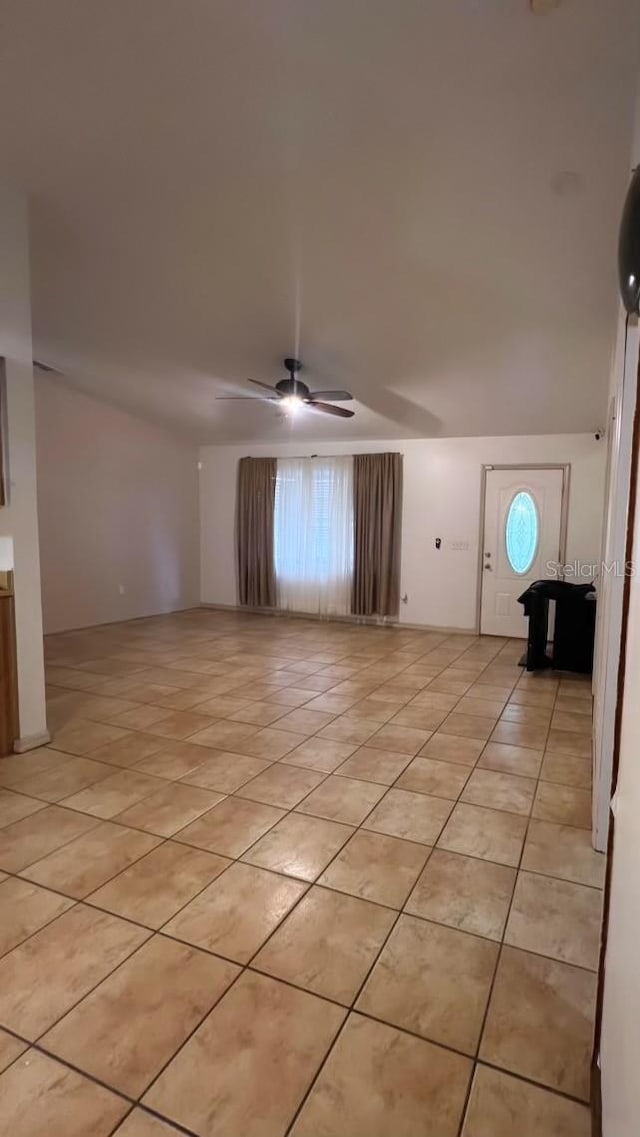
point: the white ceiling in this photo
(418, 197)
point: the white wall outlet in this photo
(121, 589)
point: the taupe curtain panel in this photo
(377, 493)
(255, 503)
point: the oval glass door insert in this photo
(522, 532)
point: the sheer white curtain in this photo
(314, 534)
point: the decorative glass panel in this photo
(521, 532)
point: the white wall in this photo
(18, 519)
(118, 507)
(441, 499)
(620, 1037)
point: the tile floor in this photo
(275, 876)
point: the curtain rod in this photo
(371, 453)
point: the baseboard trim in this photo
(31, 742)
(124, 620)
(370, 621)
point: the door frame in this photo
(564, 514)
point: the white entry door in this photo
(522, 534)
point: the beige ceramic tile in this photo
(529, 735)
(234, 915)
(327, 944)
(375, 867)
(372, 765)
(566, 720)
(230, 827)
(142, 717)
(281, 785)
(16, 767)
(322, 754)
(74, 953)
(130, 750)
(556, 918)
(569, 742)
(126, 1030)
(169, 809)
(71, 775)
(269, 744)
(224, 771)
(139, 1123)
(415, 817)
(435, 701)
(566, 770)
(93, 858)
(540, 1022)
(465, 893)
(400, 738)
(500, 791)
(486, 833)
(259, 713)
(564, 804)
(33, 837)
(563, 851)
(346, 729)
(527, 696)
(433, 981)
(254, 1056)
(181, 725)
(448, 684)
(225, 735)
(82, 737)
(224, 706)
(428, 776)
(15, 806)
(300, 846)
(153, 889)
(375, 710)
(335, 705)
(114, 794)
(24, 908)
(485, 708)
(448, 748)
(468, 726)
(385, 1082)
(342, 799)
(40, 1096)
(501, 1106)
(511, 759)
(10, 1049)
(304, 721)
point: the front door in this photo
(522, 536)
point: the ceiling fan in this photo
(292, 394)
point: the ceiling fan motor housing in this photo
(293, 386)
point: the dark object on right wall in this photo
(629, 247)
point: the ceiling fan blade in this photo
(247, 398)
(46, 367)
(332, 396)
(328, 409)
(257, 383)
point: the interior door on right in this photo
(522, 536)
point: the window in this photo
(521, 532)
(313, 535)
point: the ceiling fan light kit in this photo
(293, 395)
